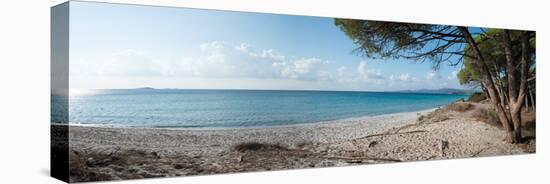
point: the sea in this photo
(185, 108)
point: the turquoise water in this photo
(237, 108)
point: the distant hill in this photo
(146, 88)
(438, 91)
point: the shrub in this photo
(460, 106)
(528, 117)
(79, 168)
(477, 97)
(440, 118)
(95, 165)
(255, 146)
(304, 144)
(488, 116)
(421, 117)
(438, 115)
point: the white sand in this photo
(218, 139)
(464, 135)
(376, 139)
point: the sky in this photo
(115, 46)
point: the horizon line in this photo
(251, 89)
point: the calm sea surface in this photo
(235, 108)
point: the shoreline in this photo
(209, 142)
(200, 128)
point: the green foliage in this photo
(477, 97)
(436, 44)
(400, 40)
(501, 62)
(468, 75)
(376, 38)
(487, 115)
(460, 106)
(491, 48)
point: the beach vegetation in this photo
(460, 106)
(436, 116)
(256, 146)
(477, 97)
(114, 163)
(486, 115)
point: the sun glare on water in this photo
(81, 92)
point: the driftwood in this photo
(103, 161)
(442, 147)
(395, 133)
(363, 158)
(480, 151)
(110, 154)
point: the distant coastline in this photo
(439, 91)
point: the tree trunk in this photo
(527, 103)
(489, 84)
(517, 81)
(513, 89)
(500, 87)
(533, 105)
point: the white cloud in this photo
(304, 66)
(243, 47)
(300, 69)
(433, 75)
(343, 74)
(368, 74)
(453, 74)
(266, 53)
(404, 77)
(216, 60)
(215, 45)
(269, 54)
(121, 63)
(247, 62)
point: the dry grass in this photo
(264, 156)
(460, 106)
(80, 164)
(255, 146)
(489, 116)
(440, 118)
(444, 114)
(303, 145)
(477, 97)
(528, 118)
(114, 164)
(438, 115)
(486, 115)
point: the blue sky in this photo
(129, 46)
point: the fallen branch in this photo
(363, 158)
(396, 133)
(111, 153)
(442, 147)
(101, 162)
(480, 151)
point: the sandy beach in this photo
(125, 153)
